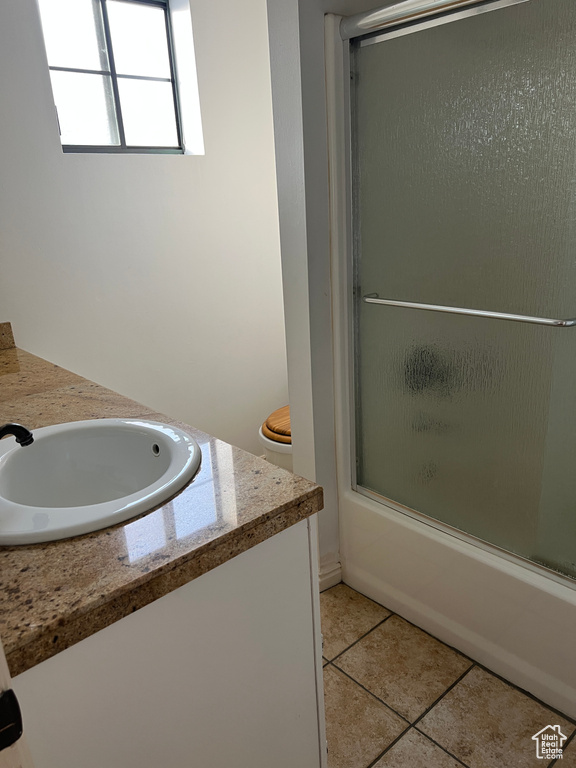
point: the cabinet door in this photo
(18, 755)
(220, 672)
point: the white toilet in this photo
(276, 438)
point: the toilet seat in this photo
(277, 426)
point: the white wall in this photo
(157, 276)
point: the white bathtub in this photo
(520, 623)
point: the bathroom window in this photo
(113, 77)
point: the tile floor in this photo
(398, 698)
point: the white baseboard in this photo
(330, 575)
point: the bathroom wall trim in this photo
(330, 574)
(298, 87)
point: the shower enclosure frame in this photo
(517, 618)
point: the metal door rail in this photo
(405, 11)
(373, 298)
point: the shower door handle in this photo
(373, 298)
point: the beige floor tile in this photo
(569, 756)
(358, 727)
(346, 616)
(403, 666)
(416, 751)
(487, 723)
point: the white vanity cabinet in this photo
(224, 672)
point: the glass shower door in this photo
(464, 155)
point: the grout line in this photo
(529, 695)
(361, 638)
(389, 747)
(405, 733)
(570, 739)
(392, 613)
(343, 583)
(439, 699)
(449, 688)
(441, 747)
(373, 695)
(452, 647)
(409, 724)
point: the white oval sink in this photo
(86, 475)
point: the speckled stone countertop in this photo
(54, 595)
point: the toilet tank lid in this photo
(277, 425)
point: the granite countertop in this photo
(55, 594)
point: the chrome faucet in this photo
(23, 436)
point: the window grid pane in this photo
(140, 75)
(148, 113)
(73, 33)
(144, 54)
(85, 108)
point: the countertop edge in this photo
(63, 634)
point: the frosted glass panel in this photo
(453, 419)
(465, 160)
(555, 544)
(468, 161)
